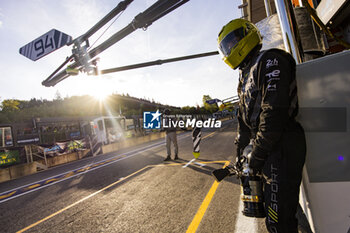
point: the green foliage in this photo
(76, 106)
(209, 107)
(10, 105)
(79, 106)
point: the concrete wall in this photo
(16, 171)
(65, 158)
(20, 170)
(131, 142)
(5, 174)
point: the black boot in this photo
(167, 158)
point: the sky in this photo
(190, 29)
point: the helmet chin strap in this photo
(245, 63)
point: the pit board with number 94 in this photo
(45, 44)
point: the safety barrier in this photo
(20, 170)
(65, 158)
(131, 142)
(16, 171)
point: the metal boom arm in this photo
(119, 8)
(142, 20)
(157, 62)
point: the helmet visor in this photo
(230, 41)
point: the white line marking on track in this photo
(188, 163)
(200, 164)
(130, 154)
(92, 163)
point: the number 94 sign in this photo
(45, 44)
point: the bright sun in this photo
(100, 95)
(98, 88)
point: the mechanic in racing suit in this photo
(267, 109)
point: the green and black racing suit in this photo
(267, 109)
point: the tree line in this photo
(14, 110)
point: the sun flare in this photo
(98, 88)
(100, 95)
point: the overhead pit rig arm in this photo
(157, 62)
(83, 59)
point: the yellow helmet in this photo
(236, 40)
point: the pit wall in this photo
(139, 140)
(25, 169)
(20, 170)
(131, 142)
(65, 158)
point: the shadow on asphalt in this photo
(84, 182)
(96, 180)
(205, 169)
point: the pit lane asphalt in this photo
(139, 193)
